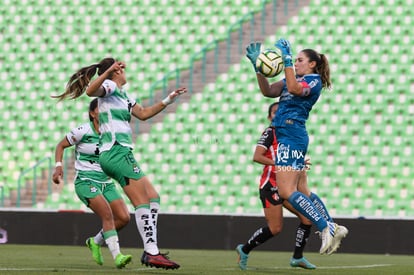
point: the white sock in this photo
(99, 239)
(155, 207)
(112, 241)
(146, 229)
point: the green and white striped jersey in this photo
(114, 116)
(86, 141)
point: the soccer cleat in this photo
(158, 261)
(302, 262)
(96, 250)
(340, 233)
(243, 257)
(122, 260)
(327, 235)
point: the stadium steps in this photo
(223, 64)
(211, 75)
(352, 172)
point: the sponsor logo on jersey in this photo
(282, 153)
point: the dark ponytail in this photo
(322, 66)
(80, 80)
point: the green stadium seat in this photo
(355, 35)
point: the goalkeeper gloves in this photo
(284, 47)
(252, 52)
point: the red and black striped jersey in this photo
(268, 140)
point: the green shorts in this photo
(88, 190)
(119, 163)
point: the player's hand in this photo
(252, 52)
(308, 164)
(284, 47)
(117, 66)
(57, 175)
(173, 96)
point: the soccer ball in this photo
(270, 63)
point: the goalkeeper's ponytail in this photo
(322, 66)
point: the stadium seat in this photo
(222, 124)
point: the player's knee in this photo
(275, 229)
(305, 221)
(123, 220)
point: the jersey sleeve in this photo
(76, 134)
(311, 84)
(266, 139)
(109, 87)
(131, 100)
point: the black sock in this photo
(260, 236)
(302, 235)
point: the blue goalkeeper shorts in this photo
(293, 143)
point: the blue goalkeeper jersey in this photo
(295, 109)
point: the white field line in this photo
(319, 267)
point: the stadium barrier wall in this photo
(203, 232)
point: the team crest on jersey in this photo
(136, 169)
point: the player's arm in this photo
(273, 90)
(294, 87)
(269, 90)
(144, 113)
(259, 156)
(60, 148)
(263, 144)
(95, 87)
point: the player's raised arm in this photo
(268, 90)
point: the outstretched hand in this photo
(252, 52)
(308, 164)
(284, 47)
(173, 96)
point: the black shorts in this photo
(269, 195)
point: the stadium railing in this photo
(176, 73)
(35, 169)
(213, 45)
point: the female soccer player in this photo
(298, 92)
(116, 157)
(265, 153)
(94, 188)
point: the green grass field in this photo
(36, 259)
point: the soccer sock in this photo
(99, 238)
(302, 235)
(111, 240)
(260, 236)
(320, 206)
(155, 207)
(305, 206)
(146, 228)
